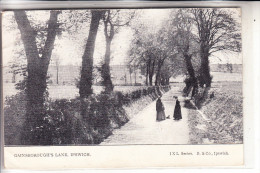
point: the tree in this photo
(150, 51)
(160, 62)
(86, 75)
(183, 39)
(113, 20)
(85, 86)
(166, 73)
(163, 50)
(142, 53)
(217, 30)
(38, 44)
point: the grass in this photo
(71, 91)
(228, 87)
(68, 91)
(225, 114)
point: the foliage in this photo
(63, 123)
(14, 111)
(216, 30)
(73, 21)
(154, 54)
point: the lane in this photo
(144, 129)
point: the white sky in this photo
(70, 50)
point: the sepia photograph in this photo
(152, 76)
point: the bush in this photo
(14, 111)
(75, 121)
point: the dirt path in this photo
(143, 128)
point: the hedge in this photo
(68, 124)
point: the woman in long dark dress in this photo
(160, 115)
(177, 110)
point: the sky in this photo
(70, 48)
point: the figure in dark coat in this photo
(177, 110)
(160, 110)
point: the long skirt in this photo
(160, 115)
(177, 113)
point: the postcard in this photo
(122, 88)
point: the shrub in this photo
(75, 121)
(14, 118)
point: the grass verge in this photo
(224, 112)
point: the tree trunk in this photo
(130, 75)
(151, 73)
(35, 131)
(151, 80)
(168, 81)
(204, 76)
(147, 75)
(192, 81)
(158, 74)
(36, 87)
(158, 77)
(148, 64)
(189, 67)
(85, 86)
(105, 71)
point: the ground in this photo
(219, 121)
(144, 129)
(71, 91)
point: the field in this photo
(217, 77)
(220, 80)
(220, 119)
(223, 77)
(67, 91)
